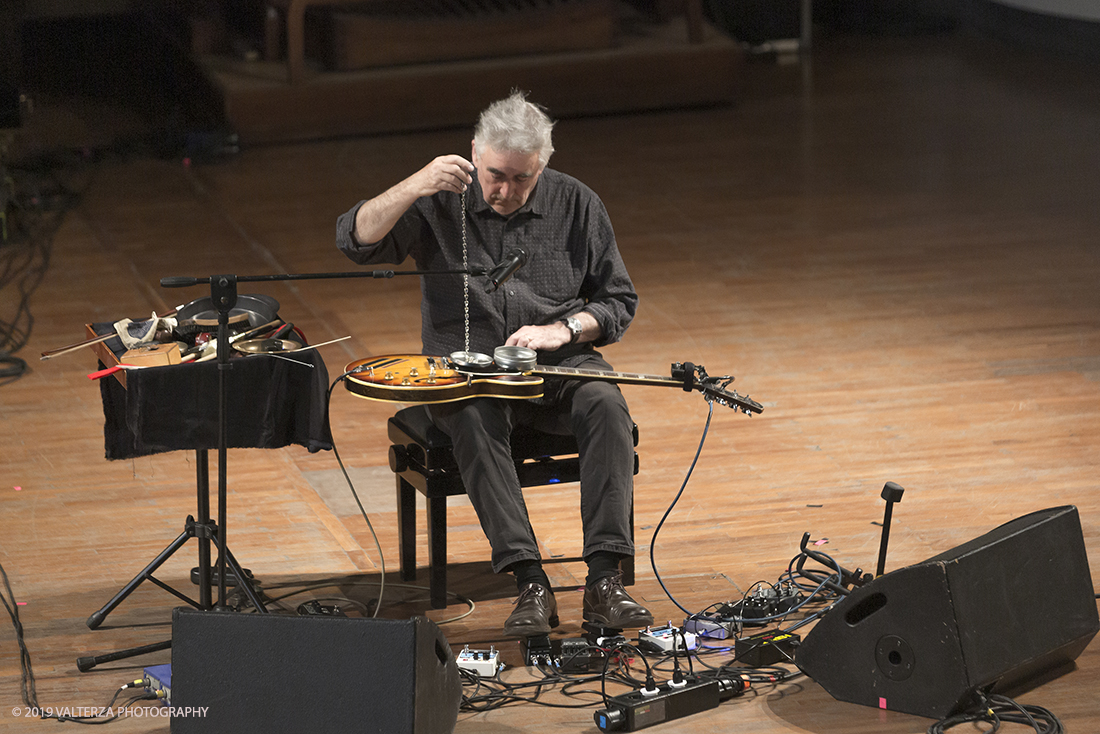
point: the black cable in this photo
(97, 720)
(28, 690)
(351, 485)
(40, 197)
(687, 477)
(994, 709)
(38, 207)
(27, 685)
(486, 694)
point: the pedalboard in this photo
(666, 639)
(666, 702)
(483, 663)
(766, 648)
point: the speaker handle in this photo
(892, 493)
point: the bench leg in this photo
(437, 551)
(406, 528)
(627, 565)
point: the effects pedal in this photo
(766, 648)
(762, 603)
(483, 663)
(537, 650)
(601, 636)
(570, 655)
(666, 639)
(714, 627)
(159, 681)
(314, 608)
(576, 654)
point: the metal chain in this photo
(465, 275)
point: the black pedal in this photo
(537, 650)
(570, 655)
(766, 648)
(578, 654)
(601, 636)
(314, 608)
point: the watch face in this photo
(575, 328)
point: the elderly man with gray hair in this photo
(573, 294)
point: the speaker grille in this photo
(268, 673)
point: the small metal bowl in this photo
(266, 346)
(471, 361)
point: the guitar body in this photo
(411, 378)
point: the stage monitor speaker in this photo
(275, 673)
(991, 615)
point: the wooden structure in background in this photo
(388, 73)
(425, 31)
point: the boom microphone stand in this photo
(223, 292)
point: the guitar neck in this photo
(712, 392)
(626, 378)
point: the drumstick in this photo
(73, 347)
(322, 344)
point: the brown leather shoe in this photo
(536, 612)
(607, 603)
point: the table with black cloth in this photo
(271, 403)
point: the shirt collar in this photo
(535, 205)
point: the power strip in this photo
(667, 639)
(641, 708)
(483, 663)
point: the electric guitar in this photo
(408, 378)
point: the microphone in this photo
(502, 271)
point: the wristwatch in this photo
(575, 328)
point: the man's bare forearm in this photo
(377, 216)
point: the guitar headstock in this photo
(695, 377)
(731, 399)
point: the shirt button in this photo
(511, 293)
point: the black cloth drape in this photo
(271, 403)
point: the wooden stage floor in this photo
(894, 248)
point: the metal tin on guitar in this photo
(520, 359)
